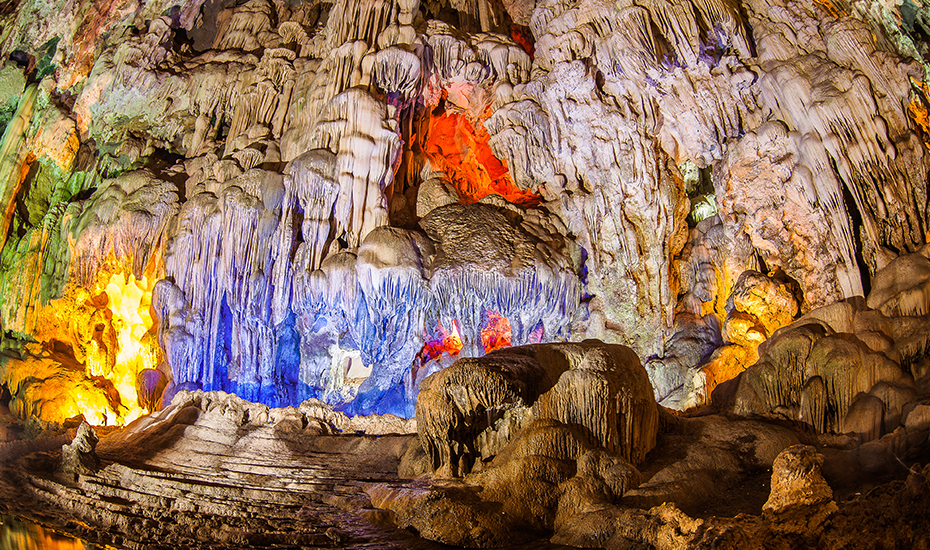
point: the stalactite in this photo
(307, 129)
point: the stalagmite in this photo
(473, 409)
(822, 378)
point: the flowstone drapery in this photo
(339, 197)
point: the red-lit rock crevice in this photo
(459, 147)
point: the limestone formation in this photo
(845, 367)
(546, 431)
(800, 499)
(701, 353)
(819, 377)
(900, 288)
(276, 138)
(240, 472)
(325, 204)
(473, 409)
(80, 457)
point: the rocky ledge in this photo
(212, 470)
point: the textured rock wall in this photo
(307, 181)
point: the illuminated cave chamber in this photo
(310, 287)
(336, 225)
(334, 200)
(88, 345)
(545, 216)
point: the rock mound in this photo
(470, 411)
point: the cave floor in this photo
(190, 478)
(192, 484)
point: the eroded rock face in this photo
(80, 457)
(554, 479)
(546, 431)
(244, 473)
(702, 353)
(473, 409)
(800, 500)
(900, 289)
(822, 378)
(540, 482)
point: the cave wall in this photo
(334, 199)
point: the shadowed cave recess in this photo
(478, 273)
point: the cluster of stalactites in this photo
(362, 133)
(127, 218)
(326, 95)
(218, 257)
(399, 285)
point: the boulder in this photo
(468, 412)
(800, 500)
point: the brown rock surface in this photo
(800, 500)
(80, 457)
(471, 410)
(823, 378)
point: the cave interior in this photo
(465, 273)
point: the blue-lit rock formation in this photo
(275, 324)
(309, 211)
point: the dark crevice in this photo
(299, 235)
(855, 217)
(665, 53)
(760, 263)
(747, 29)
(22, 196)
(86, 156)
(160, 162)
(181, 39)
(83, 195)
(5, 396)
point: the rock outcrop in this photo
(80, 456)
(845, 367)
(242, 473)
(545, 431)
(472, 410)
(326, 203)
(800, 499)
